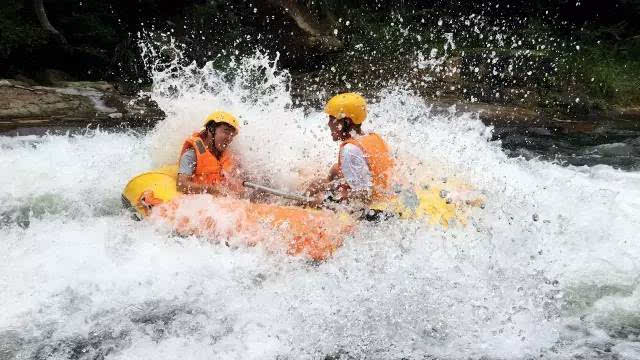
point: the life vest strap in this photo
(200, 146)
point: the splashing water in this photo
(549, 267)
(271, 129)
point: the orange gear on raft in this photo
(147, 201)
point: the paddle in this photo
(277, 192)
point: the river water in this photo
(549, 268)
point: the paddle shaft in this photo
(276, 192)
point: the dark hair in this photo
(348, 125)
(211, 126)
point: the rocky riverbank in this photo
(522, 69)
(70, 104)
(24, 107)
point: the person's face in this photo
(223, 136)
(337, 128)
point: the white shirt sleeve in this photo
(188, 162)
(355, 168)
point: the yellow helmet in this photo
(347, 105)
(221, 117)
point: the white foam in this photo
(400, 289)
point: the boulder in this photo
(71, 103)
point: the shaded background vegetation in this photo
(597, 42)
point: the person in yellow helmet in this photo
(363, 169)
(206, 164)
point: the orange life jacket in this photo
(378, 157)
(209, 169)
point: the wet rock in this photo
(76, 103)
(37, 103)
(627, 113)
(96, 85)
(614, 149)
(25, 80)
(52, 77)
(16, 83)
(491, 114)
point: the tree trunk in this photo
(44, 21)
(318, 36)
(300, 15)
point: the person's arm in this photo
(234, 180)
(350, 181)
(186, 186)
(334, 173)
(187, 168)
(324, 184)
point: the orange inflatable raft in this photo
(299, 231)
(294, 230)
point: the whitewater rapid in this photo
(548, 268)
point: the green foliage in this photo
(203, 34)
(614, 79)
(90, 29)
(16, 32)
(382, 39)
(609, 70)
